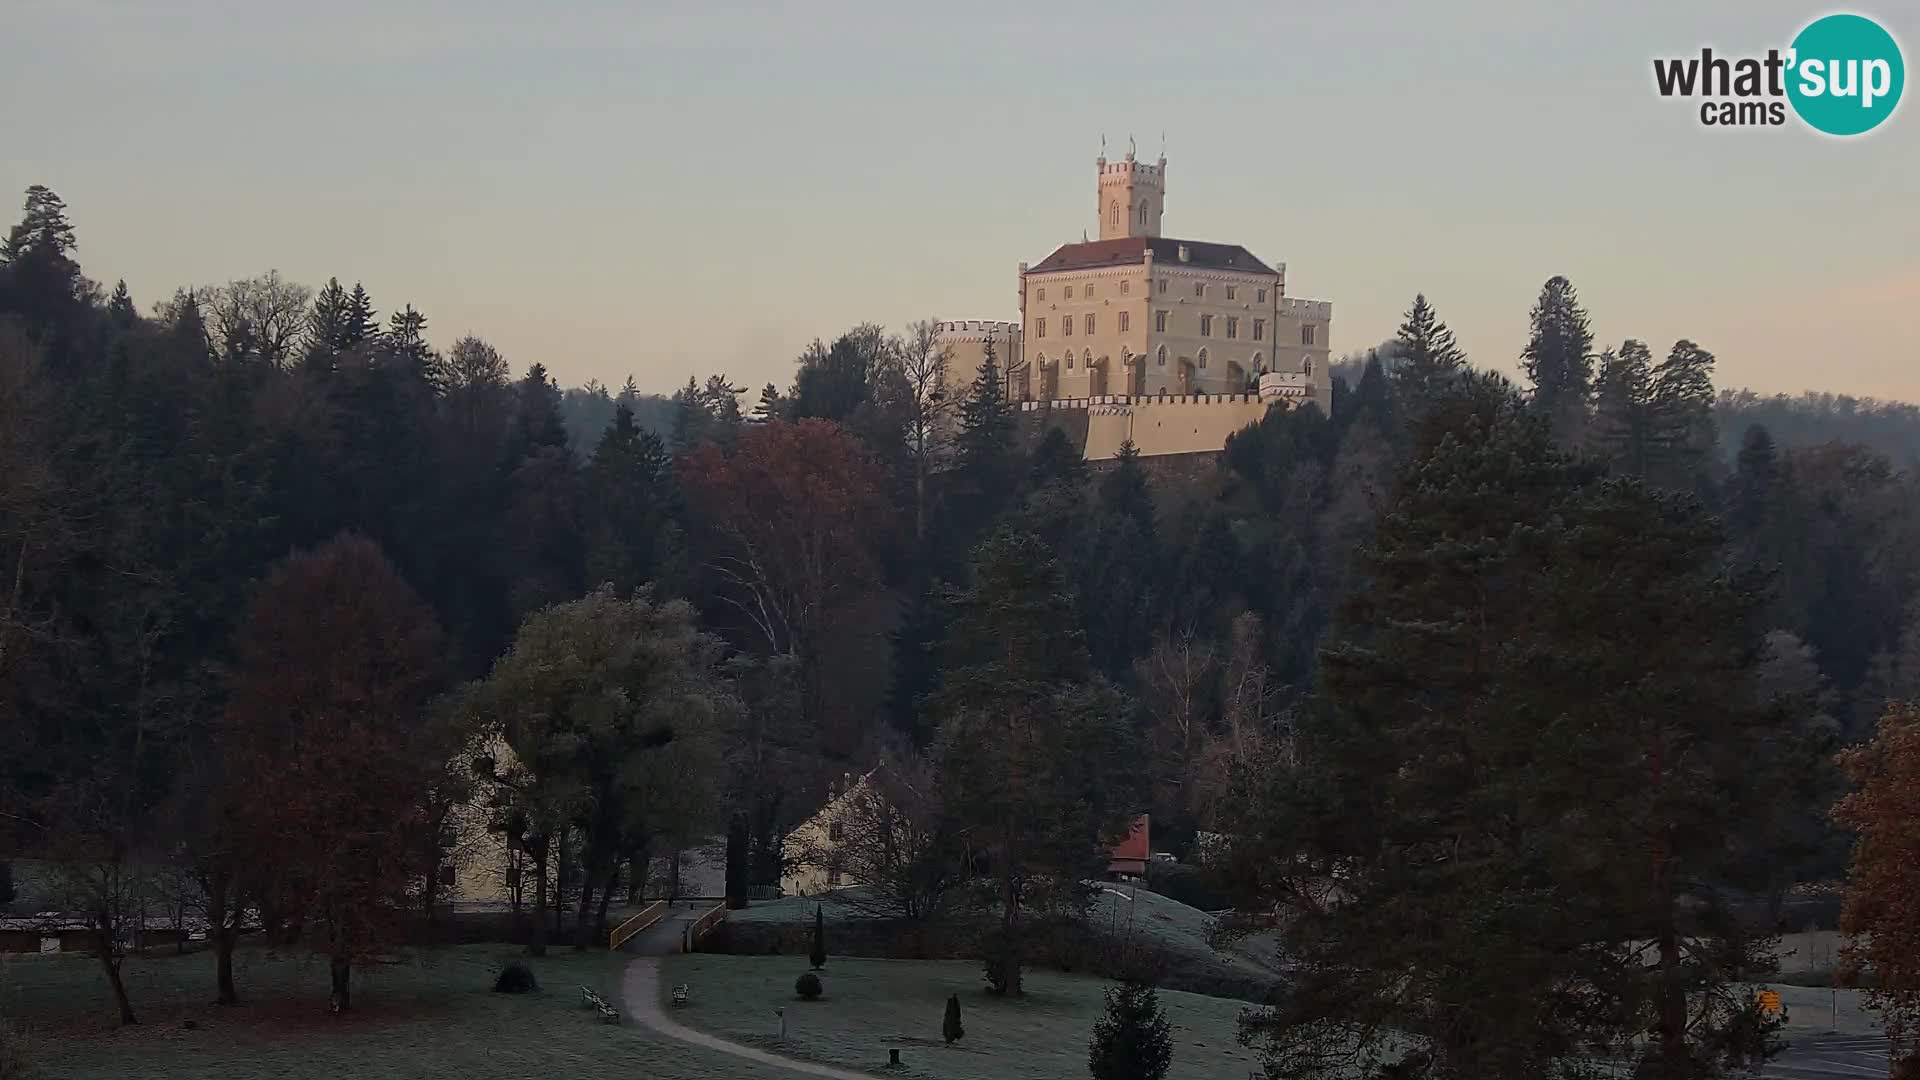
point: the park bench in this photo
(592, 1000)
(680, 994)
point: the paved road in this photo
(641, 988)
(1830, 1057)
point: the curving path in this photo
(641, 988)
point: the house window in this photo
(1040, 293)
(1232, 292)
(1069, 361)
(1233, 328)
(1203, 359)
(1069, 292)
(1306, 334)
(1206, 326)
(1259, 329)
(1089, 291)
(1123, 287)
(1163, 286)
(1040, 328)
(1160, 358)
(1113, 213)
(446, 876)
(836, 832)
(1143, 211)
(1199, 288)
(1260, 296)
(1159, 322)
(1123, 322)
(1066, 326)
(1089, 326)
(1306, 366)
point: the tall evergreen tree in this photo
(986, 469)
(329, 326)
(1507, 802)
(1131, 1040)
(43, 228)
(362, 323)
(120, 310)
(692, 417)
(1034, 748)
(1683, 428)
(406, 343)
(1622, 431)
(1558, 359)
(1124, 490)
(629, 507)
(1427, 352)
(769, 406)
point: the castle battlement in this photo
(1139, 172)
(1320, 310)
(958, 331)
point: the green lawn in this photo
(433, 1018)
(873, 1004)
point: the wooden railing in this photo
(648, 915)
(698, 928)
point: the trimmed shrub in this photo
(515, 978)
(818, 957)
(950, 1028)
(808, 986)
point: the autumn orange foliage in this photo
(1882, 910)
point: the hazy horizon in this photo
(611, 189)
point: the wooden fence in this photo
(648, 916)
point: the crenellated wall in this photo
(1165, 425)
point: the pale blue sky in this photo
(665, 189)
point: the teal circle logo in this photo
(1845, 74)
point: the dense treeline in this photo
(258, 540)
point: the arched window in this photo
(1113, 213)
(1069, 361)
(1086, 357)
(1203, 358)
(1306, 367)
(1143, 211)
(1160, 358)
(1259, 365)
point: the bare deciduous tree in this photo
(259, 318)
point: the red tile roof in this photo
(1133, 249)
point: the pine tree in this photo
(1682, 407)
(537, 421)
(1428, 355)
(769, 406)
(629, 507)
(722, 400)
(985, 468)
(692, 417)
(1558, 359)
(1035, 752)
(1126, 492)
(1478, 714)
(43, 228)
(406, 343)
(1622, 430)
(362, 323)
(327, 329)
(120, 310)
(1132, 1040)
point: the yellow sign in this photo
(1770, 1002)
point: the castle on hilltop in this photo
(1172, 344)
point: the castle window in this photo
(1123, 322)
(1259, 364)
(1260, 296)
(1233, 328)
(1159, 322)
(1259, 329)
(1069, 361)
(1206, 326)
(1123, 287)
(1113, 214)
(1066, 326)
(1163, 286)
(1089, 326)
(1040, 293)
(1203, 359)
(1039, 328)
(1232, 292)
(1306, 366)
(1069, 292)
(1160, 358)
(1199, 288)
(1089, 290)
(1306, 334)
(836, 832)
(1143, 211)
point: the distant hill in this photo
(1890, 427)
(588, 410)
